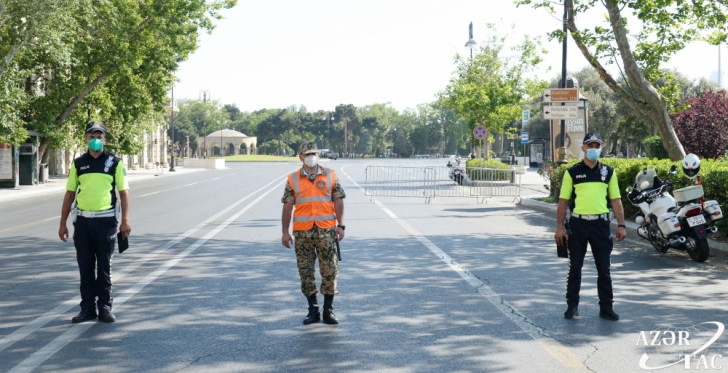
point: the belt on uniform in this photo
(591, 217)
(97, 214)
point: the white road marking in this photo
(44, 353)
(558, 351)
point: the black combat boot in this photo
(329, 317)
(313, 310)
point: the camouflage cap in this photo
(308, 148)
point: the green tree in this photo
(364, 146)
(347, 123)
(32, 36)
(662, 28)
(490, 88)
(400, 131)
(377, 119)
(121, 57)
(199, 119)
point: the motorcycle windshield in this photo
(646, 179)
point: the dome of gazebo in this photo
(227, 133)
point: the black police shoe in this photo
(609, 314)
(571, 312)
(107, 317)
(84, 315)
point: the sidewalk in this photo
(56, 184)
(718, 249)
(532, 184)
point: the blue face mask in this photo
(95, 144)
(593, 154)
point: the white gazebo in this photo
(226, 142)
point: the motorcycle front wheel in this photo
(701, 251)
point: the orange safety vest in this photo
(313, 200)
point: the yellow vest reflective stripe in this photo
(313, 200)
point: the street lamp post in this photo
(471, 44)
(562, 151)
(171, 168)
(204, 94)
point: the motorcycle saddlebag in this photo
(712, 208)
(668, 223)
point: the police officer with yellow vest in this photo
(315, 200)
(589, 184)
(93, 180)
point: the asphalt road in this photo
(452, 285)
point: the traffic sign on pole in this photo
(524, 137)
(560, 112)
(480, 132)
(561, 95)
(526, 115)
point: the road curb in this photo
(56, 184)
(718, 249)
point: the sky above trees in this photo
(324, 53)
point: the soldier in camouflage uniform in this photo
(314, 200)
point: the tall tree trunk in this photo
(69, 109)
(648, 101)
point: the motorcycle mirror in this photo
(673, 170)
(629, 189)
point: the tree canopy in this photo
(639, 37)
(491, 88)
(80, 60)
(703, 127)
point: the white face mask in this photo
(311, 161)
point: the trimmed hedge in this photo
(714, 174)
(486, 163)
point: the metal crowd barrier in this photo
(431, 182)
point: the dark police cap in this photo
(308, 148)
(592, 137)
(92, 127)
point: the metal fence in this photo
(431, 182)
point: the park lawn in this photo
(260, 158)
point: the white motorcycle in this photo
(681, 222)
(457, 172)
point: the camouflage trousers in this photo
(312, 244)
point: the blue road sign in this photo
(480, 132)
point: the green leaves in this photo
(492, 87)
(109, 60)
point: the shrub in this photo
(472, 164)
(714, 174)
(655, 148)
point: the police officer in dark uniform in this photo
(313, 200)
(589, 184)
(93, 180)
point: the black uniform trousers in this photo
(94, 239)
(598, 235)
